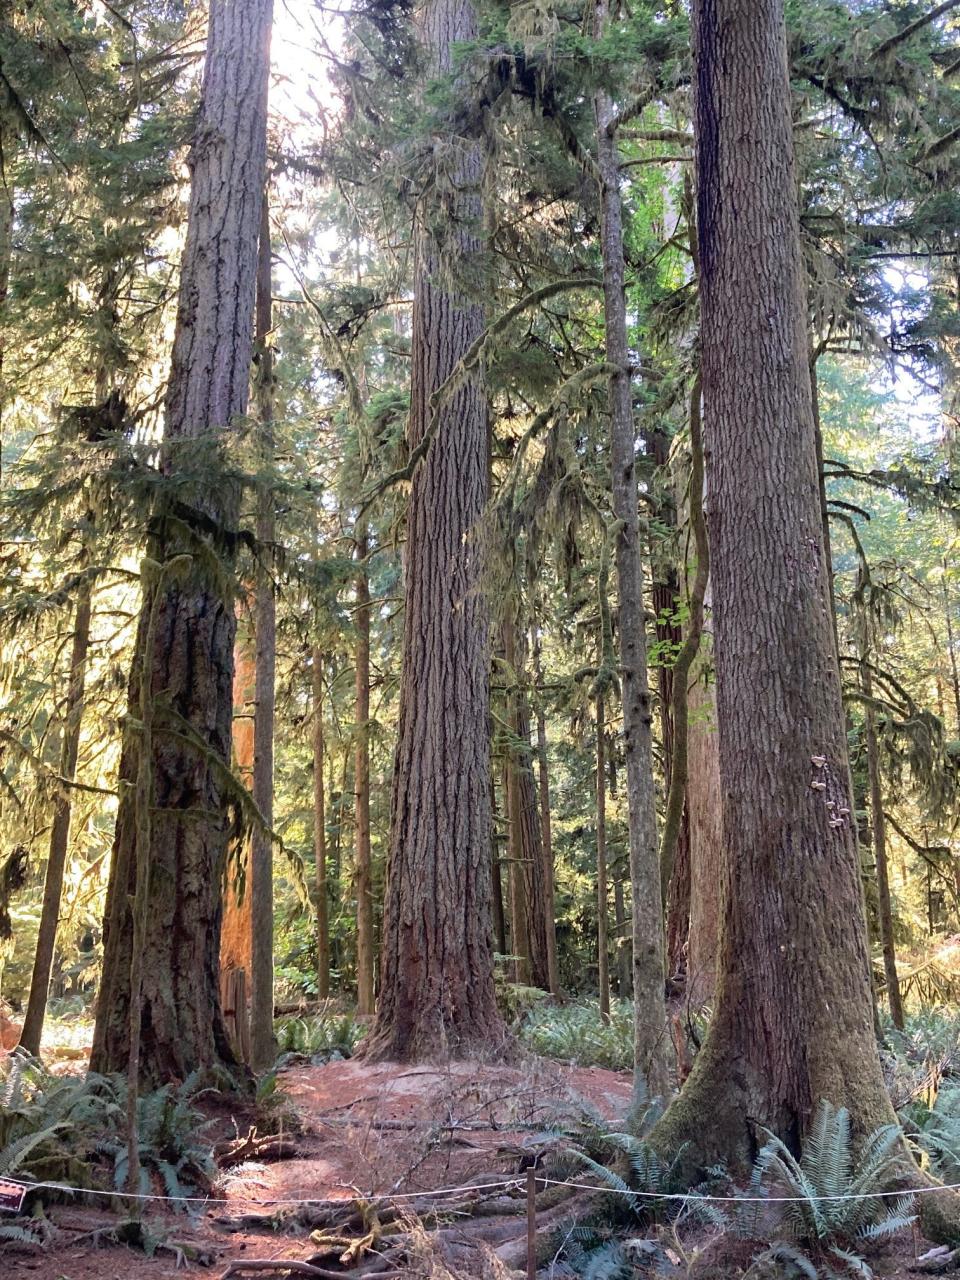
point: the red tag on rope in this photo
(12, 1195)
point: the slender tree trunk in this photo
(675, 844)
(524, 816)
(546, 832)
(320, 830)
(262, 1041)
(499, 914)
(603, 942)
(519, 914)
(704, 806)
(620, 921)
(437, 995)
(793, 1020)
(236, 932)
(364, 871)
(186, 673)
(951, 646)
(652, 1045)
(878, 824)
(6, 262)
(60, 832)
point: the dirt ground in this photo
(363, 1130)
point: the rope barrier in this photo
(511, 1183)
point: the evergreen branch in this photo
(563, 399)
(934, 850)
(942, 144)
(470, 359)
(888, 45)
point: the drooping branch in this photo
(891, 43)
(471, 358)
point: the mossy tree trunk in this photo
(793, 1020)
(184, 655)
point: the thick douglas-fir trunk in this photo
(793, 1021)
(437, 991)
(60, 832)
(187, 667)
(651, 1041)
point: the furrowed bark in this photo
(793, 1018)
(188, 678)
(437, 991)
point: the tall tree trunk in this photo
(186, 668)
(60, 832)
(6, 262)
(878, 824)
(675, 845)
(793, 1020)
(320, 830)
(651, 1042)
(546, 831)
(519, 913)
(236, 931)
(951, 646)
(704, 807)
(603, 942)
(262, 1042)
(364, 870)
(676, 824)
(499, 914)
(524, 815)
(437, 995)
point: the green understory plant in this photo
(71, 1130)
(836, 1206)
(325, 1037)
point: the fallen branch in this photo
(253, 1147)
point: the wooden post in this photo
(531, 1224)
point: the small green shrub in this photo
(576, 1033)
(326, 1037)
(936, 1131)
(836, 1209)
(67, 1128)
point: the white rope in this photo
(695, 1195)
(514, 1183)
(272, 1204)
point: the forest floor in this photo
(361, 1131)
(365, 1150)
